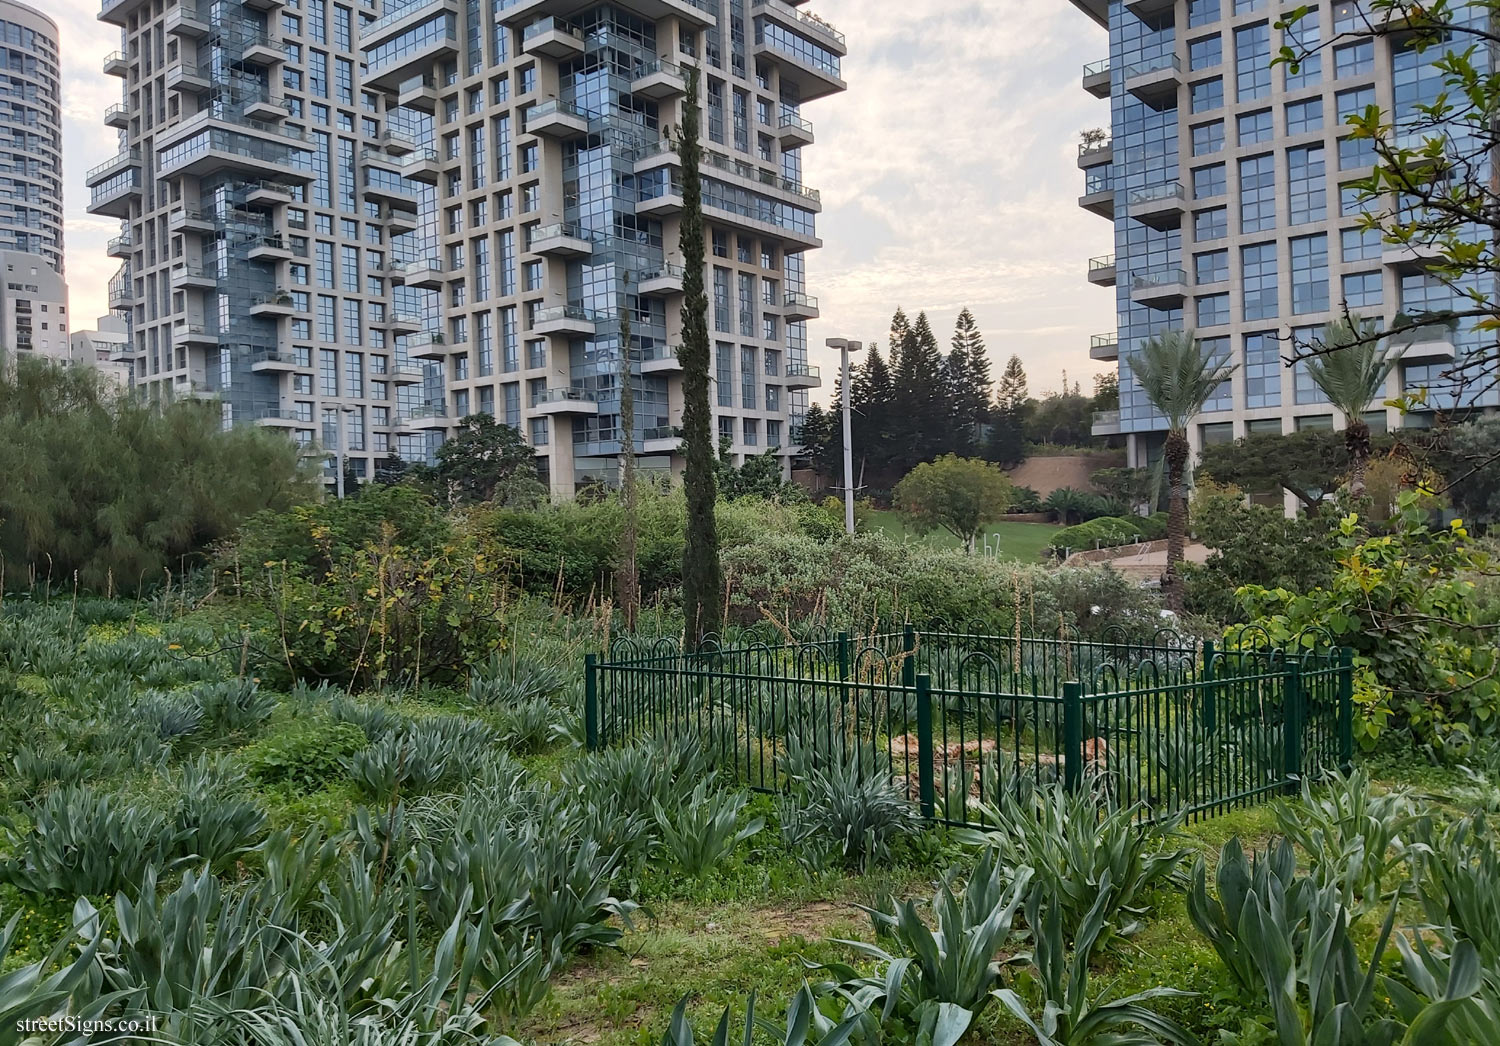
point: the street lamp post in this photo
(846, 379)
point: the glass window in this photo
(1211, 267)
(1353, 102)
(1356, 152)
(1301, 38)
(1206, 95)
(1258, 281)
(1309, 274)
(1217, 351)
(1212, 224)
(1307, 189)
(1257, 193)
(1213, 309)
(1360, 244)
(1255, 127)
(1252, 57)
(1208, 182)
(1263, 371)
(1362, 290)
(1202, 12)
(1205, 53)
(1208, 138)
(1305, 116)
(1356, 59)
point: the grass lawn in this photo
(1022, 541)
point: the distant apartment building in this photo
(360, 224)
(33, 308)
(31, 189)
(103, 348)
(1227, 183)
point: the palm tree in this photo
(1350, 371)
(1177, 376)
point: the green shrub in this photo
(702, 830)
(423, 757)
(234, 706)
(844, 803)
(506, 680)
(304, 753)
(1104, 532)
(215, 821)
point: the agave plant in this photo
(1457, 877)
(1354, 839)
(939, 977)
(702, 830)
(50, 987)
(1067, 1012)
(1073, 841)
(806, 1025)
(216, 824)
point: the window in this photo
(1309, 274)
(1202, 12)
(1216, 432)
(1208, 182)
(1213, 309)
(1258, 281)
(1252, 57)
(1360, 244)
(1206, 95)
(1353, 102)
(1307, 190)
(1212, 224)
(1351, 201)
(1206, 52)
(1357, 59)
(1356, 152)
(1263, 371)
(1211, 267)
(1208, 138)
(1313, 423)
(1302, 117)
(1302, 38)
(1255, 127)
(1217, 352)
(1257, 193)
(1362, 289)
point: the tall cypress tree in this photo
(702, 576)
(627, 575)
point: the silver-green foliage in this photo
(76, 841)
(1354, 839)
(422, 757)
(508, 681)
(702, 830)
(1063, 1009)
(846, 799)
(1074, 842)
(216, 821)
(51, 987)
(939, 977)
(234, 705)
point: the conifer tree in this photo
(921, 397)
(702, 575)
(969, 384)
(1007, 444)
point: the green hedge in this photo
(1109, 531)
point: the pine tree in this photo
(873, 404)
(900, 331)
(921, 398)
(702, 575)
(822, 441)
(1007, 443)
(969, 384)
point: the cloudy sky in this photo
(947, 171)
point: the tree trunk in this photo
(1176, 454)
(1357, 441)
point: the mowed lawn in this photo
(1022, 541)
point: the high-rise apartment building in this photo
(362, 224)
(33, 307)
(31, 192)
(1227, 182)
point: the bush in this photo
(234, 706)
(306, 753)
(78, 841)
(845, 804)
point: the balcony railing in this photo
(566, 395)
(571, 230)
(1158, 278)
(810, 22)
(1099, 341)
(1152, 65)
(1104, 261)
(793, 120)
(802, 370)
(404, 11)
(796, 299)
(668, 271)
(119, 243)
(550, 25)
(1158, 193)
(1084, 148)
(1095, 68)
(567, 312)
(122, 158)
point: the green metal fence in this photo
(1181, 727)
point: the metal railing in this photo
(1085, 148)
(796, 299)
(802, 370)
(1153, 65)
(1163, 193)
(1103, 261)
(808, 21)
(548, 25)
(124, 158)
(1158, 278)
(569, 230)
(956, 717)
(1099, 341)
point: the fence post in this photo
(1292, 724)
(926, 794)
(1073, 735)
(1346, 708)
(909, 656)
(843, 650)
(591, 702)
(1210, 696)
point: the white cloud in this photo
(947, 173)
